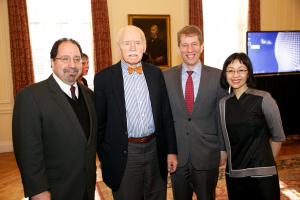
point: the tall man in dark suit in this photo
(136, 138)
(194, 91)
(54, 131)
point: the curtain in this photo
(254, 15)
(101, 33)
(21, 58)
(196, 18)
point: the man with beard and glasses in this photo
(54, 129)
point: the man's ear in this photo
(52, 63)
(202, 48)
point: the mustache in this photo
(70, 70)
(133, 54)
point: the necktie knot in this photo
(137, 69)
(190, 73)
(72, 89)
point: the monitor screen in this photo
(274, 52)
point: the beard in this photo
(71, 74)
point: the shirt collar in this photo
(65, 87)
(125, 66)
(196, 70)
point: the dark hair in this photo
(83, 55)
(54, 49)
(190, 30)
(242, 58)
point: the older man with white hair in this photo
(136, 138)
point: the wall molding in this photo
(6, 111)
(6, 146)
(5, 101)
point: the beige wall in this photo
(280, 15)
(275, 14)
(6, 96)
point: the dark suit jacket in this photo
(50, 145)
(199, 136)
(112, 124)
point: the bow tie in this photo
(138, 69)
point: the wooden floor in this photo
(11, 185)
(10, 180)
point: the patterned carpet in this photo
(289, 174)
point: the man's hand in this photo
(172, 163)
(223, 158)
(42, 196)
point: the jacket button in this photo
(190, 119)
(187, 133)
(126, 133)
(125, 152)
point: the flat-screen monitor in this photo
(274, 52)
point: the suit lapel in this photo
(63, 103)
(203, 84)
(118, 87)
(178, 89)
(89, 103)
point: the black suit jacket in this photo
(50, 145)
(112, 136)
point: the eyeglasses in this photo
(239, 71)
(67, 59)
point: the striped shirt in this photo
(139, 114)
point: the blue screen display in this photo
(274, 51)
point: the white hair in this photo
(130, 27)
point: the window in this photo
(55, 19)
(225, 27)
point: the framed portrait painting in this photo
(157, 33)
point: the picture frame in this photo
(157, 33)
